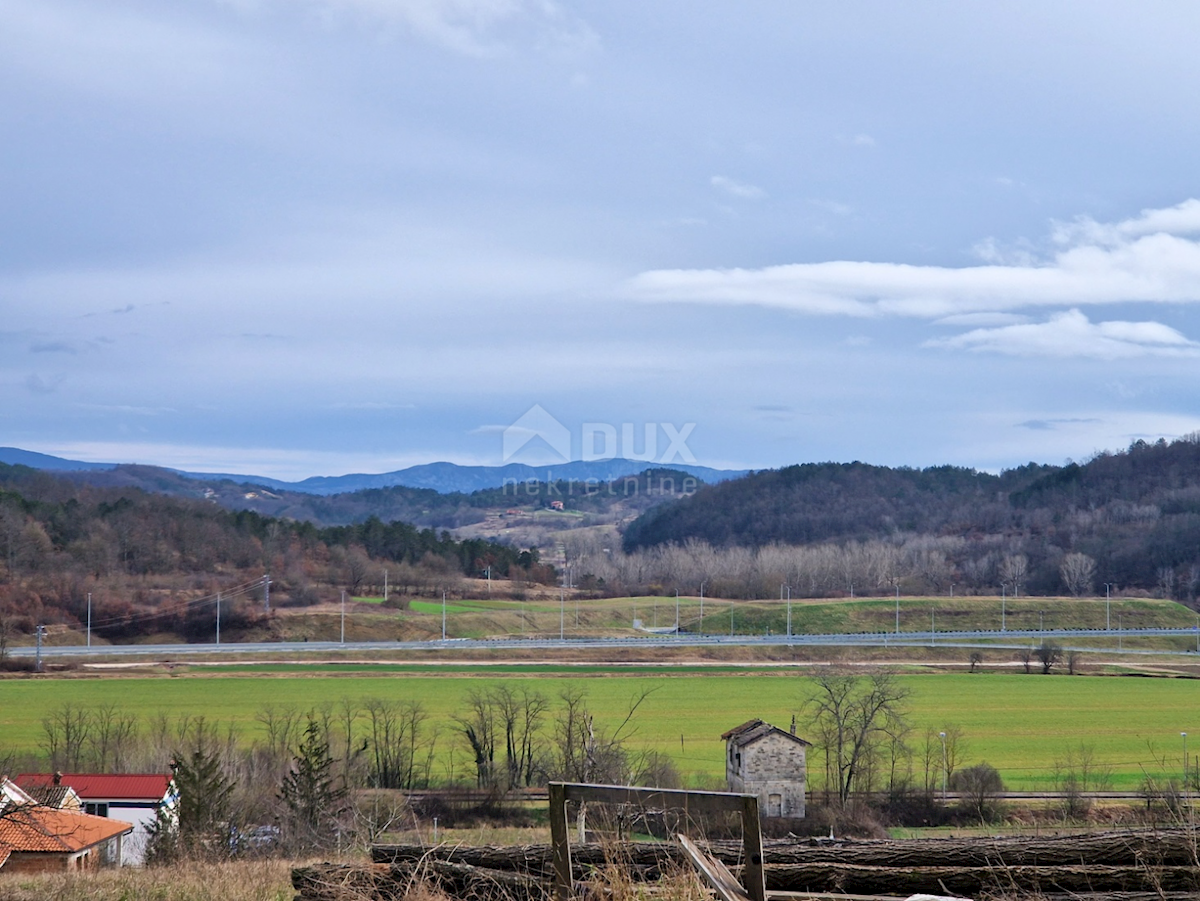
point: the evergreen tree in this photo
(199, 825)
(314, 801)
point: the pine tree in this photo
(313, 799)
(199, 825)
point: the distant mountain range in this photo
(445, 478)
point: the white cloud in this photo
(1147, 259)
(477, 27)
(737, 189)
(1071, 334)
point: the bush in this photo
(980, 789)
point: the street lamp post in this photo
(789, 614)
(942, 736)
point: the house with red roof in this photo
(134, 797)
(35, 838)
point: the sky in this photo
(312, 237)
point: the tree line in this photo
(1134, 514)
(142, 558)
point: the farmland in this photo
(1019, 723)
(545, 614)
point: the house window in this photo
(97, 810)
(774, 805)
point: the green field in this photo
(1019, 723)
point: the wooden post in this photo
(753, 876)
(560, 841)
(690, 801)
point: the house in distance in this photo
(764, 760)
(135, 797)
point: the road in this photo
(1092, 640)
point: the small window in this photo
(97, 810)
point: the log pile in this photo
(1114, 865)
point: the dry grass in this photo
(259, 880)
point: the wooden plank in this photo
(715, 873)
(700, 802)
(560, 841)
(753, 874)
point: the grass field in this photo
(1019, 723)
(578, 616)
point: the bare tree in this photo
(1077, 572)
(1025, 656)
(1013, 572)
(1048, 654)
(65, 734)
(853, 716)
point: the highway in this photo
(1091, 640)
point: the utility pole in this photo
(343, 640)
(677, 612)
(489, 575)
(218, 617)
(701, 629)
(443, 614)
(1107, 607)
(385, 586)
(267, 592)
(1002, 589)
(89, 634)
(897, 608)
(562, 612)
(37, 664)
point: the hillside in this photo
(1135, 513)
(442, 477)
(597, 502)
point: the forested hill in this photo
(817, 502)
(1141, 501)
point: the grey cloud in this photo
(52, 347)
(40, 385)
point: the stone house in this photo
(764, 760)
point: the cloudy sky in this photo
(302, 237)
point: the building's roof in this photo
(104, 786)
(752, 730)
(5, 850)
(47, 830)
(55, 795)
(11, 793)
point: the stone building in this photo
(766, 761)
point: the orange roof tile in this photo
(49, 829)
